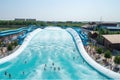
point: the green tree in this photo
(9, 47)
(117, 59)
(101, 31)
(107, 54)
(99, 50)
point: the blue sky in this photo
(61, 10)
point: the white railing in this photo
(21, 48)
(89, 60)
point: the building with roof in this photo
(112, 26)
(93, 34)
(31, 20)
(108, 24)
(23, 19)
(112, 41)
(89, 27)
(19, 19)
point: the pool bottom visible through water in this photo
(51, 54)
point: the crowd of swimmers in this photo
(7, 74)
(52, 66)
(46, 67)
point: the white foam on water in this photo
(53, 28)
(36, 74)
(63, 75)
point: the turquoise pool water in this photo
(51, 54)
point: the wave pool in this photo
(50, 54)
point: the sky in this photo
(61, 10)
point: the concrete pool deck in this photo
(89, 60)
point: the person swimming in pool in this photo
(44, 69)
(45, 65)
(83, 62)
(53, 64)
(23, 72)
(73, 50)
(54, 68)
(9, 75)
(58, 68)
(5, 73)
(25, 62)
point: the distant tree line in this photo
(42, 23)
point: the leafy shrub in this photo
(117, 59)
(99, 50)
(107, 54)
(9, 47)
